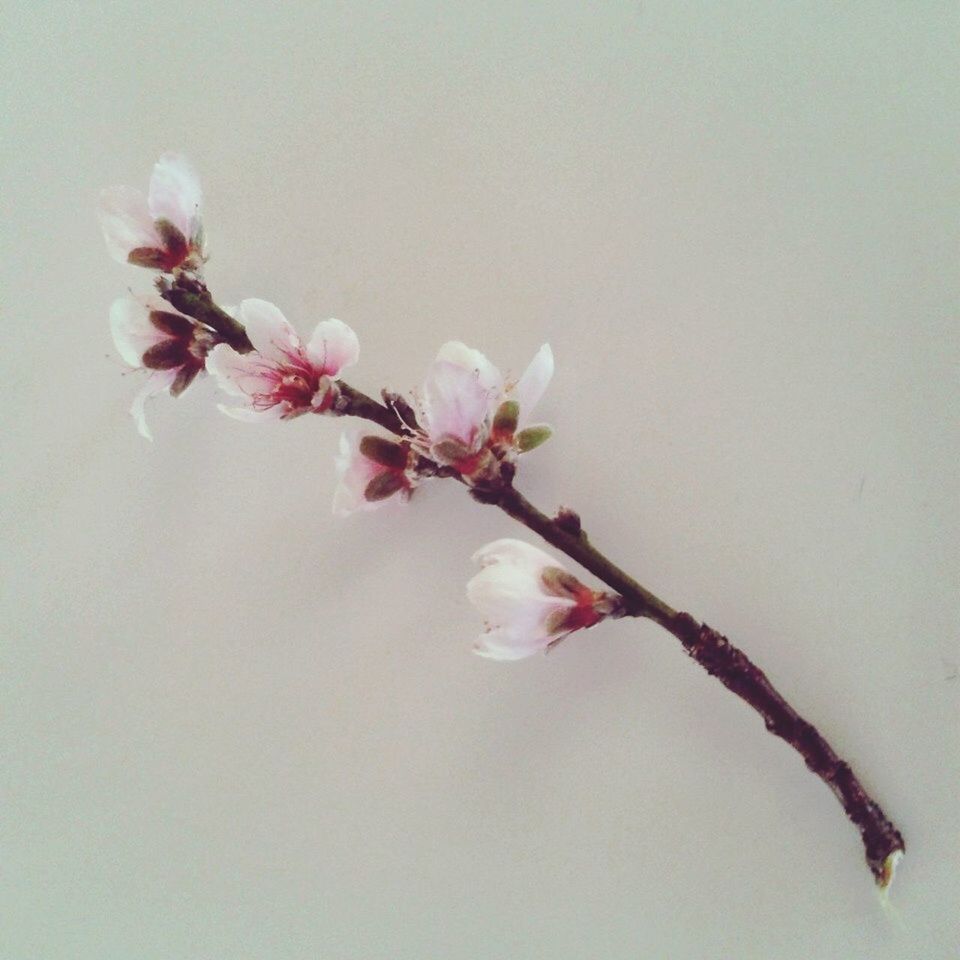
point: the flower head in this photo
(529, 601)
(371, 469)
(282, 378)
(149, 333)
(162, 230)
(471, 417)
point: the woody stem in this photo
(714, 652)
(734, 669)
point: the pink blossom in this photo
(162, 230)
(528, 601)
(466, 407)
(149, 333)
(282, 378)
(371, 468)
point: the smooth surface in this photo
(234, 727)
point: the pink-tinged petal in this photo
(520, 612)
(514, 596)
(126, 222)
(248, 415)
(354, 471)
(534, 381)
(240, 374)
(269, 331)
(333, 347)
(133, 333)
(455, 404)
(175, 194)
(158, 382)
(463, 356)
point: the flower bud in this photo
(529, 602)
(532, 437)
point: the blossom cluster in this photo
(467, 420)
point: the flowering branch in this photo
(467, 423)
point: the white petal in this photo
(505, 593)
(535, 380)
(269, 331)
(509, 645)
(133, 333)
(175, 194)
(518, 552)
(248, 415)
(333, 347)
(454, 403)
(157, 382)
(240, 374)
(126, 222)
(463, 356)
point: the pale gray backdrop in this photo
(236, 728)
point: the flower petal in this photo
(534, 381)
(269, 330)
(506, 644)
(514, 596)
(509, 550)
(463, 356)
(240, 374)
(133, 333)
(333, 347)
(126, 222)
(455, 403)
(157, 382)
(175, 194)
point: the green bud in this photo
(532, 437)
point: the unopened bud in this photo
(384, 485)
(532, 437)
(385, 452)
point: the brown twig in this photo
(715, 653)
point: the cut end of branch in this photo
(887, 871)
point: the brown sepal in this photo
(166, 355)
(560, 583)
(184, 378)
(174, 242)
(384, 485)
(385, 452)
(149, 257)
(172, 323)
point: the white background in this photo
(233, 727)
